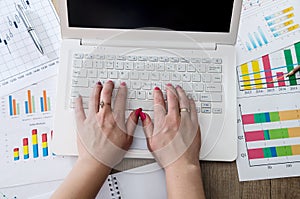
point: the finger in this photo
(172, 99)
(94, 98)
(132, 121)
(147, 124)
(159, 104)
(120, 101)
(106, 95)
(183, 100)
(194, 115)
(79, 111)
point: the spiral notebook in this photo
(145, 182)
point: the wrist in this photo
(93, 165)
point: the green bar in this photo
(33, 104)
(267, 152)
(290, 66)
(297, 49)
(259, 117)
(48, 103)
(274, 116)
(279, 133)
(18, 109)
(266, 135)
(284, 150)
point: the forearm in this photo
(184, 181)
(84, 181)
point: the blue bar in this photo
(45, 151)
(257, 39)
(262, 35)
(248, 46)
(267, 116)
(42, 104)
(273, 151)
(10, 105)
(35, 151)
(26, 107)
(26, 156)
(252, 41)
(16, 158)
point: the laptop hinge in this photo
(149, 44)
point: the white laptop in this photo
(148, 44)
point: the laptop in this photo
(148, 44)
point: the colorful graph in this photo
(269, 70)
(269, 136)
(38, 145)
(30, 104)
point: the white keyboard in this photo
(201, 78)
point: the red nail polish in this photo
(99, 83)
(156, 88)
(169, 84)
(123, 83)
(137, 112)
(142, 115)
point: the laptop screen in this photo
(188, 15)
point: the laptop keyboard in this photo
(201, 78)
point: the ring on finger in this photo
(102, 103)
(184, 110)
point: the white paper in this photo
(266, 26)
(21, 64)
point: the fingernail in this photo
(123, 83)
(169, 84)
(99, 83)
(142, 115)
(156, 88)
(137, 112)
(178, 86)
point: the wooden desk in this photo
(220, 181)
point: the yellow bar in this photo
(294, 132)
(34, 139)
(246, 78)
(29, 101)
(293, 27)
(16, 153)
(44, 144)
(289, 115)
(257, 77)
(25, 149)
(296, 149)
(288, 9)
(287, 23)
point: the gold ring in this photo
(101, 104)
(184, 110)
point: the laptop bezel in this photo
(160, 36)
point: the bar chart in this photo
(270, 70)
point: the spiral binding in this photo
(114, 187)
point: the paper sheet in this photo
(21, 64)
(269, 116)
(25, 137)
(266, 26)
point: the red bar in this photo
(280, 77)
(255, 153)
(16, 149)
(268, 72)
(254, 136)
(44, 137)
(25, 141)
(34, 131)
(248, 119)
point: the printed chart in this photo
(269, 72)
(26, 134)
(21, 62)
(268, 23)
(269, 137)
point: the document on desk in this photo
(266, 26)
(25, 137)
(22, 63)
(269, 116)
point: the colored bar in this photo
(26, 107)
(10, 105)
(44, 144)
(297, 50)
(14, 107)
(296, 149)
(48, 101)
(268, 73)
(254, 136)
(259, 117)
(257, 77)
(35, 143)
(273, 151)
(257, 39)
(284, 151)
(255, 153)
(274, 116)
(25, 148)
(289, 115)
(16, 154)
(262, 35)
(33, 104)
(18, 109)
(45, 100)
(266, 134)
(290, 66)
(280, 78)
(246, 77)
(267, 152)
(248, 119)
(42, 104)
(29, 100)
(252, 41)
(278, 133)
(294, 132)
